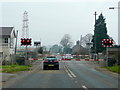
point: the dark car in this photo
(50, 63)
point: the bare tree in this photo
(66, 41)
(86, 40)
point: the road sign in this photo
(37, 43)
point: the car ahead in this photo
(50, 62)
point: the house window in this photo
(6, 40)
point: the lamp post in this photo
(118, 20)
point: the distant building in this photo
(55, 49)
(79, 50)
(7, 44)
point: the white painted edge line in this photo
(83, 86)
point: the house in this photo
(79, 50)
(7, 44)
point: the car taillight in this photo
(55, 61)
(45, 61)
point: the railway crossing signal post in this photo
(107, 43)
(25, 40)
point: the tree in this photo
(100, 33)
(86, 40)
(40, 50)
(67, 43)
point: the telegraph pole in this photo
(16, 45)
(95, 34)
(80, 43)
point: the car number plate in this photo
(50, 65)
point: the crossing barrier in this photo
(35, 58)
(92, 60)
(87, 59)
(66, 59)
(77, 59)
(96, 59)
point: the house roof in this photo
(6, 31)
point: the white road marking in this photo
(72, 73)
(83, 86)
(68, 73)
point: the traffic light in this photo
(25, 41)
(28, 41)
(107, 42)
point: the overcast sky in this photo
(49, 21)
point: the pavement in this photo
(104, 70)
(4, 77)
(7, 76)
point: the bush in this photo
(111, 61)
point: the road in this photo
(72, 74)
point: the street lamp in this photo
(114, 7)
(118, 21)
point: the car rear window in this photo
(51, 58)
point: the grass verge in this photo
(14, 68)
(114, 69)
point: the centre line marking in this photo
(72, 73)
(68, 73)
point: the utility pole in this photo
(16, 45)
(80, 43)
(95, 35)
